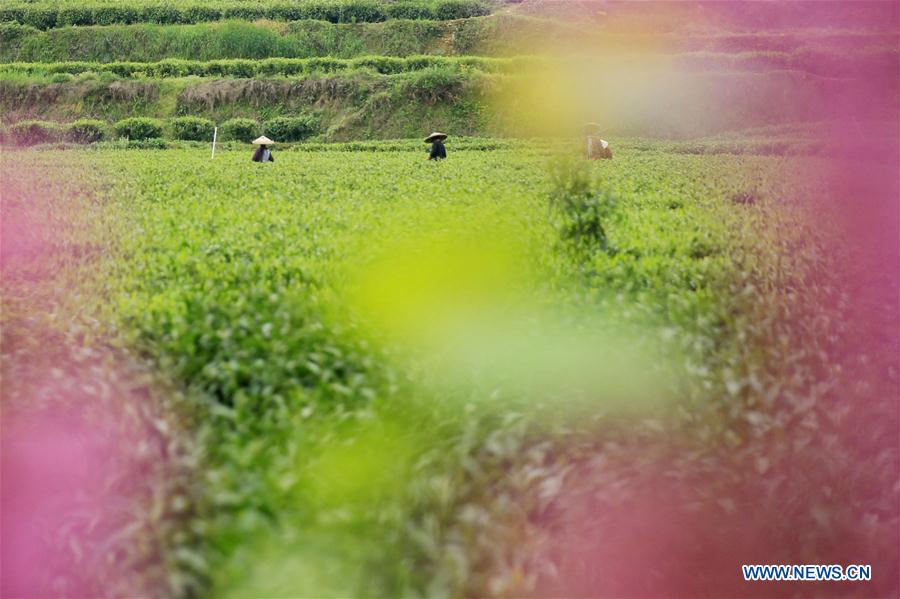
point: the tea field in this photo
(360, 373)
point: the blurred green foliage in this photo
(341, 459)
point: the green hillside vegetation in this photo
(354, 106)
(268, 67)
(47, 15)
(240, 39)
(500, 34)
(363, 104)
(385, 79)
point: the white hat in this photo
(262, 141)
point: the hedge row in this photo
(269, 67)
(541, 146)
(47, 15)
(29, 133)
(283, 129)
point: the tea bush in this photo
(289, 128)
(139, 128)
(245, 130)
(580, 207)
(29, 133)
(86, 131)
(192, 128)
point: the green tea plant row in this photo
(271, 66)
(329, 460)
(82, 131)
(143, 132)
(230, 293)
(48, 15)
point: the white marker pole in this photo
(215, 134)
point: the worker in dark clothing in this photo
(438, 151)
(263, 153)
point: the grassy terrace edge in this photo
(810, 62)
(498, 34)
(239, 67)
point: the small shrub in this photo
(241, 68)
(355, 11)
(29, 133)
(75, 15)
(459, 9)
(61, 77)
(325, 64)
(199, 14)
(579, 209)
(290, 128)
(162, 14)
(280, 66)
(409, 10)
(386, 65)
(40, 18)
(244, 13)
(434, 84)
(11, 16)
(172, 67)
(138, 128)
(13, 33)
(192, 128)
(155, 143)
(108, 15)
(86, 131)
(245, 130)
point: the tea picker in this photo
(596, 148)
(263, 153)
(437, 151)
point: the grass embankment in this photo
(351, 443)
(239, 39)
(361, 105)
(495, 35)
(465, 101)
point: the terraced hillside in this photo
(356, 70)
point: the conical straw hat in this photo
(435, 136)
(262, 141)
